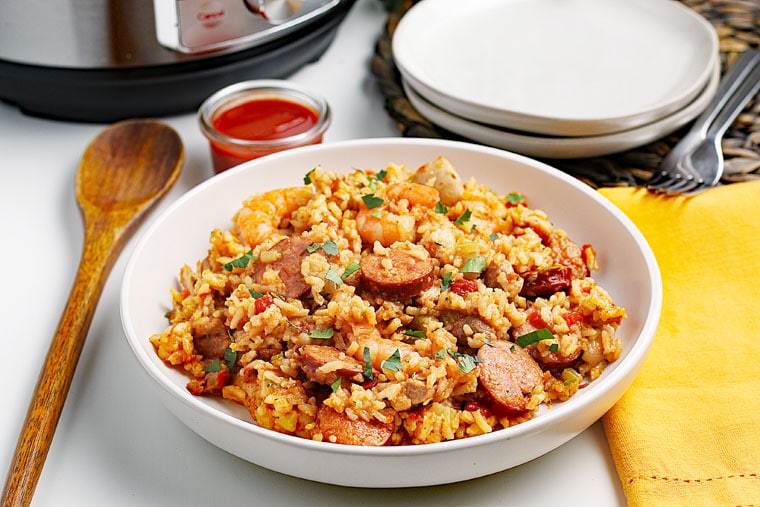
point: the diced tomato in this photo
(185, 293)
(263, 302)
(369, 384)
(535, 320)
(589, 257)
(463, 286)
(223, 378)
(573, 318)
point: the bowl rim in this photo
(627, 368)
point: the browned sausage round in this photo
(554, 360)
(313, 357)
(340, 429)
(569, 254)
(507, 374)
(398, 275)
(292, 251)
(545, 282)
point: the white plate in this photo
(180, 235)
(565, 147)
(556, 67)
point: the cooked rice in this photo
(237, 333)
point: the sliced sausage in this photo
(554, 361)
(211, 339)
(341, 429)
(546, 281)
(338, 365)
(292, 250)
(567, 253)
(507, 373)
(396, 274)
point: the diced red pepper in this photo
(472, 406)
(195, 388)
(263, 303)
(463, 286)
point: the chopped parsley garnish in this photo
(241, 261)
(329, 247)
(307, 177)
(474, 264)
(372, 201)
(367, 364)
(534, 337)
(472, 229)
(416, 334)
(445, 280)
(255, 294)
(333, 277)
(554, 347)
(464, 217)
(440, 208)
(350, 270)
(493, 236)
(467, 363)
(214, 366)
(336, 385)
(323, 334)
(515, 198)
(372, 179)
(393, 363)
(230, 356)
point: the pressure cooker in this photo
(106, 60)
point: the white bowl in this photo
(180, 235)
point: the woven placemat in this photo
(737, 23)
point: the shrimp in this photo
(387, 227)
(384, 226)
(417, 194)
(442, 175)
(261, 215)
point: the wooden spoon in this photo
(124, 171)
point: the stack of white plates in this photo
(557, 78)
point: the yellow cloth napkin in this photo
(687, 432)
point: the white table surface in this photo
(116, 445)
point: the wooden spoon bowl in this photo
(124, 171)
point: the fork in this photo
(696, 162)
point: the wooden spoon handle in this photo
(57, 372)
